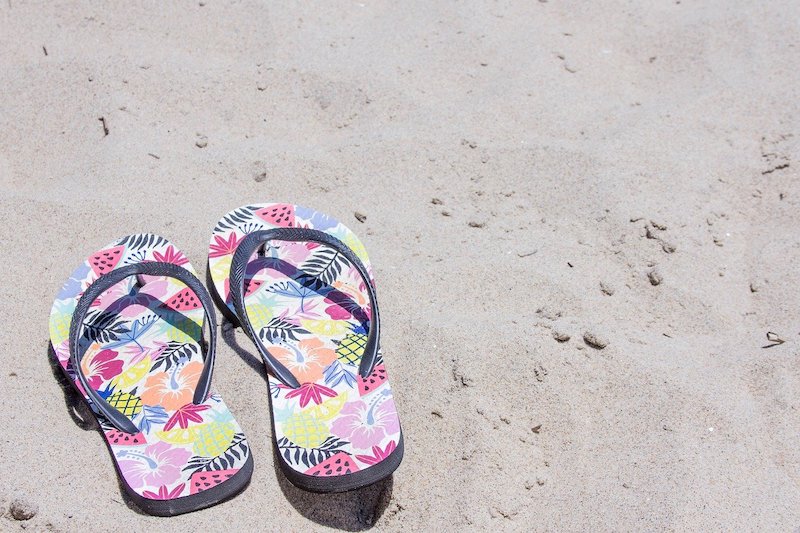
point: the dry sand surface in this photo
(620, 173)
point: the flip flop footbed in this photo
(144, 358)
(310, 309)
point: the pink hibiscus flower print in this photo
(293, 252)
(128, 301)
(337, 312)
(117, 291)
(170, 256)
(101, 367)
(155, 287)
(366, 425)
(223, 247)
(159, 464)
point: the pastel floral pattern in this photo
(316, 329)
(366, 425)
(315, 219)
(293, 252)
(173, 388)
(337, 312)
(142, 364)
(100, 367)
(156, 465)
(125, 297)
(133, 374)
(307, 360)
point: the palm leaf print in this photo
(234, 219)
(336, 372)
(323, 267)
(132, 336)
(144, 240)
(104, 327)
(278, 328)
(235, 451)
(173, 353)
(310, 456)
(290, 289)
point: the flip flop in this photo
(127, 329)
(300, 284)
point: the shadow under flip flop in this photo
(253, 361)
(77, 408)
(355, 510)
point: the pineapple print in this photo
(178, 435)
(127, 404)
(357, 246)
(259, 314)
(183, 329)
(351, 348)
(213, 438)
(305, 430)
(222, 266)
(328, 328)
(329, 408)
(60, 320)
(133, 375)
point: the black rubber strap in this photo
(249, 244)
(105, 282)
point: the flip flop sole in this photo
(310, 308)
(144, 358)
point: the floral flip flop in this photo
(300, 284)
(127, 329)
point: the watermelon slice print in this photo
(104, 261)
(185, 300)
(201, 481)
(373, 381)
(250, 286)
(120, 438)
(281, 215)
(336, 465)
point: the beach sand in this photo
(619, 173)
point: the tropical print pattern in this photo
(144, 358)
(311, 310)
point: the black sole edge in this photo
(344, 483)
(347, 482)
(194, 502)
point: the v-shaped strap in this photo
(249, 244)
(105, 282)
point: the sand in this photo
(615, 173)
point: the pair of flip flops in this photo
(128, 330)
